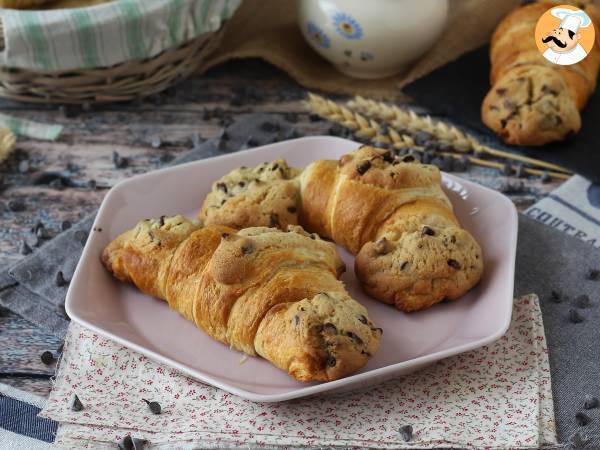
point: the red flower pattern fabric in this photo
(498, 396)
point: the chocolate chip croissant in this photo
(391, 212)
(533, 101)
(260, 290)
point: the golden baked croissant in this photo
(532, 100)
(390, 212)
(260, 290)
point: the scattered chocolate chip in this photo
(313, 236)
(154, 406)
(575, 317)
(47, 358)
(381, 247)
(427, 231)
(296, 320)
(408, 158)
(501, 91)
(422, 137)
(292, 210)
(582, 419)
(273, 220)
(225, 236)
(555, 297)
(406, 431)
(76, 404)
(593, 275)
(25, 248)
(377, 329)
(129, 443)
(23, 166)
(583, 301)
(403, 265)
(65, 225)
(590, 402)
(156, 142)
(330, 361)
(545, 178)
(119, 161)
(16, 205)
(329, 328)
(274, 167)
(222, 187)
(355, 337)
(454, 264)
(362, 319)
(363, 167)
(246, 246)
(59, 280)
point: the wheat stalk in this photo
(7, 143)
(409, 120)
(369, 129)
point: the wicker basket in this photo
(124, 81)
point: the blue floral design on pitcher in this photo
(347, 26)
(318, 35)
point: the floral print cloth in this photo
(498, 396)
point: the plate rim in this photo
(320, 388)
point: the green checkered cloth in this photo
(106, 34)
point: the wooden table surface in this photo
(86, 146)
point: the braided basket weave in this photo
(123, 81)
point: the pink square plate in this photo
(410, 341)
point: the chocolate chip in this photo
(330, 328)
(582, 419)
(355, 337)
(59, 280)
(388, 157)
(25, 248)
(590, 402)
(427, 231)
(154, 406)
(313, 236)
(273, 220)
(65, 225)
(363, 167)
(223, 201)
(118, 161)
(408, 158)
(377, 329)
(362, 319)
(555, 297)
(76, 404)
(406, 431)
(275, 167)
(422, 137)
(222, 187)
(454, 264)
(292, 210)
(246, 246)
(330, 361)
(225, 236)
(575, 317)
(47, 358)
(545, 178)
(403, 265)
(501, 91)
(583, 301)
(593, 275)
(16, 205)
(296, 320)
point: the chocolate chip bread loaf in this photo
(533, 101)
(260, 290)
(389, 211)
